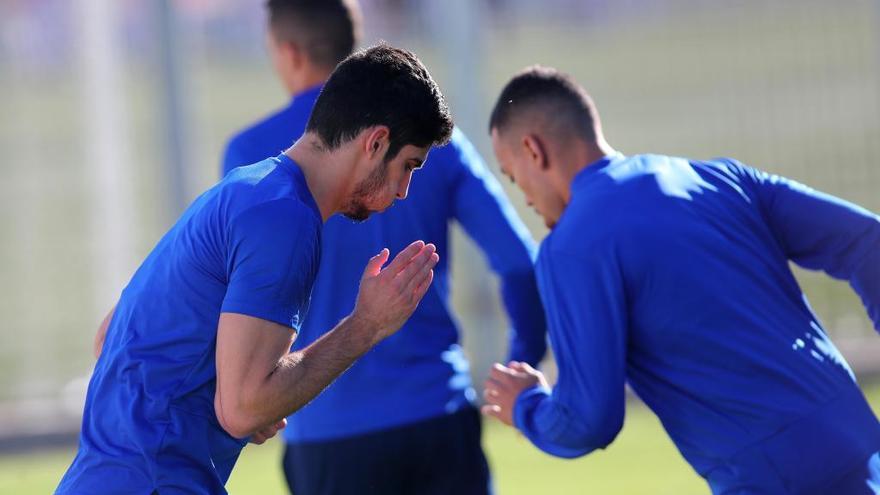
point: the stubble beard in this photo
(357, 209)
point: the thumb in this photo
(523, 367)
(374, 266)
(528, 368)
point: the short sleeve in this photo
(272, 261)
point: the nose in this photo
(403, 188)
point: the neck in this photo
(297, 83)
(582, 155)
(325, 172)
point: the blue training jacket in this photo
(672, 275)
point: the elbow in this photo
(578, 435)
(592, 432)
(586, 436)
(234, 419)
(606, 427)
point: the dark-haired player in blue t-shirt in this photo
(410, 401)
(196, 357)
(672, 275)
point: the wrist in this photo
(526, 401)
(363, 329)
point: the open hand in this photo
(388, 297)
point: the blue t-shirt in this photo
(420, 372)
(673, 275)
(249, 245)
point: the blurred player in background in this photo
(195, 359)
(402, 420)
(672, 275)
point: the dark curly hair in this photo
(381, 85)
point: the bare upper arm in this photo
(248, 350)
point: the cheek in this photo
(528, 188)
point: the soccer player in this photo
(196, 358)
(402, 419)
(672, 275)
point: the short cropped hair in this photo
(327, 30)
(547, 90)
(381, 85)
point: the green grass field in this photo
(518, 467)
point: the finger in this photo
(492, 411)
(527, 368)
(423, 287)
(520, 369)
(419, 277)
(374, 266)
(500, 372)
(496, 385)
(402, 259)
(490, 395)
(415, 265)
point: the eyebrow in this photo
(418, 163)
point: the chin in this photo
(358, 216)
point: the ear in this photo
(535, 150)
(377, 141)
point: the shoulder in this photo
(266, 188)
(286, 223)
(258, 129)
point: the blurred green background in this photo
(642, 460)
(105, 134)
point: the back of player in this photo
(672, 275)
(720, 342)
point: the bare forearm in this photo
(300, 376)
(259, 381)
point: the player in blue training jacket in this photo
(402, 420)
(195, 358)
(672, 275)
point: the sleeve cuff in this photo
(276, 315)
(527, 401)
